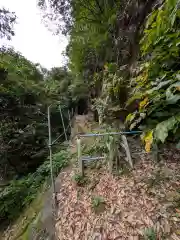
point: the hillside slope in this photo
(143, 203)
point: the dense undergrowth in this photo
(25, 94)
(20, 193)
(157, 84)
(26, 91)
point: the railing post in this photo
(69, 118)
(110, 155)
(80, 161)
(63, 123)
(50, 151)
(127, 150)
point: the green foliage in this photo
(97, 200)
(98, 204)
(20, 193)
(103, 47)
(79, 179)
(163, 128)
(111, 102)
(24, 97)
(150, 234)
(97, 148)
(78, 90)
(26, 90)
(103, 38)
(158, 81)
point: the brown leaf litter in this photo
(131, 204)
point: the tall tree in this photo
(24, 97)
(7, 20)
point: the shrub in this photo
(98, 204)
(150, 234)
(20, 193)
(158, 81)
(79, 179)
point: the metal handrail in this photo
(125, 143)
(108, 133)
(60, 135)
(50, 140)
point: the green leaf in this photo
(130, 117)
(162, 129)
(170, 97)
(161, 85)
(162, 114)
(173, 99)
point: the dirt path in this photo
(143, 204)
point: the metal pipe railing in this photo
(51, 143)
(124, 140)
(108, 133)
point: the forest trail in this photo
(140, 204)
